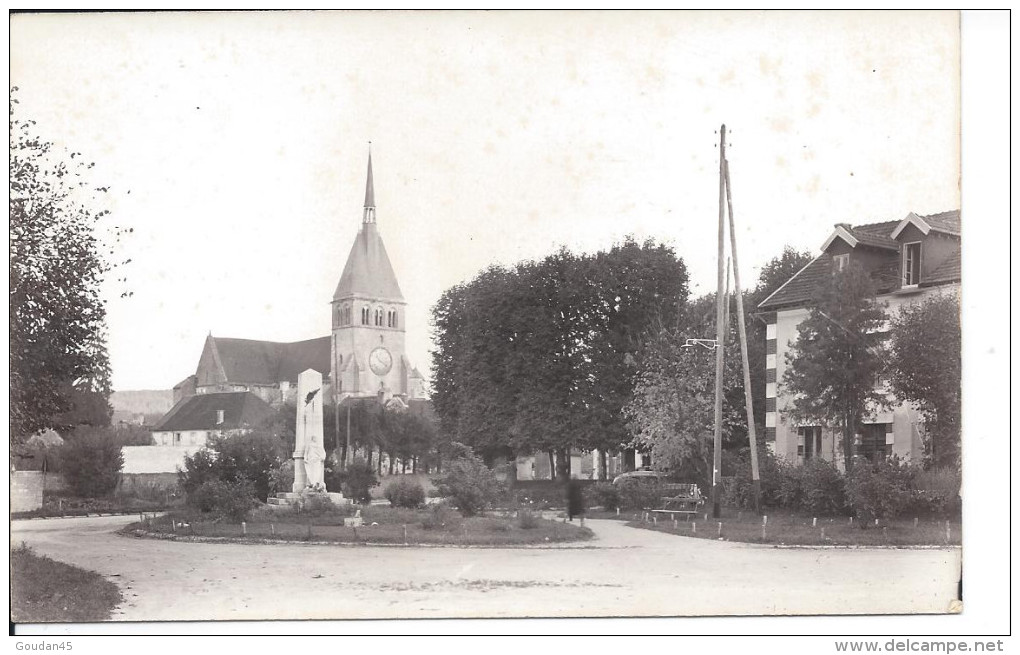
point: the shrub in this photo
(639, 494)
(605, 495)
(233, 500)
(879, 490)
(91, 461)
(281, 477)
(936, 492)
(823, 490)
(252, 457)
(738, 490)
(441, 517)
(357, 480)
(527, 520)
(405, 493)
(469, 484)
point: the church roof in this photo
(260, 362)
(240, 409)
(368, 271)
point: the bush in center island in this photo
(469, 484)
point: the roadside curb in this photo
(565, 545)
(808, 546)
(90, 515)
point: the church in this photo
(363, 356)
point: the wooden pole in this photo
(748, 403)
(719, 335)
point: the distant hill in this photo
(156, 401)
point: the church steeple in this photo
(369, 216)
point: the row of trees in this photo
(543, 356)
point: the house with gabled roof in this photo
(196, 418)
(909, 260)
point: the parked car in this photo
(643, 474)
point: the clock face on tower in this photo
(380, 361)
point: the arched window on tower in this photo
(345, 315)
(364, 315)
(391, 318)
(378, 316)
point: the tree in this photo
(836, 361)
(92, 461)
(672, 411)
(57, 318)
(540, 357)
(924, 368)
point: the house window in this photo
(809, 441)
(911, 263)
(872, 443)
(177, 438)
(839, 262)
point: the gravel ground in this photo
(623, 572)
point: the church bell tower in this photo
(368, 357)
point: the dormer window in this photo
(839, 262)
(911, 264)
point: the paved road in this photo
(625, 572)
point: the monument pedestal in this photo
(291, 498)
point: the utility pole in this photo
(719, 335)
(748, 403)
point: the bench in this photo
(685, 499)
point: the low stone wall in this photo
(141, 483)
(26, 490)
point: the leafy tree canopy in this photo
(925, 369)
(59, 364)
(834, 365)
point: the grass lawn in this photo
(382, 525)
(44, 590)
(65, 504)
(798, 530)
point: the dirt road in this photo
(624, 572)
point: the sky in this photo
(235, 146)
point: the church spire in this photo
(369, 216)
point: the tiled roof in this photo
(240, 409)
(948, 271)
(800, 289)
(945, 221)
(268, 362)
(876, 234)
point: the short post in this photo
(947, 532)
(60, 505)
(655, 520)
(272, 529)
(764, 524)
(814, 522)
(851, 521)
(141, 517)
(244, 529)
(355, 528)
(674, 524)
(173, 525)
(694, 527)
(706, 516)
(617, 511)
(915, 522)
(405, 534)
(720, 529)
(876, 521)
(823, 534)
